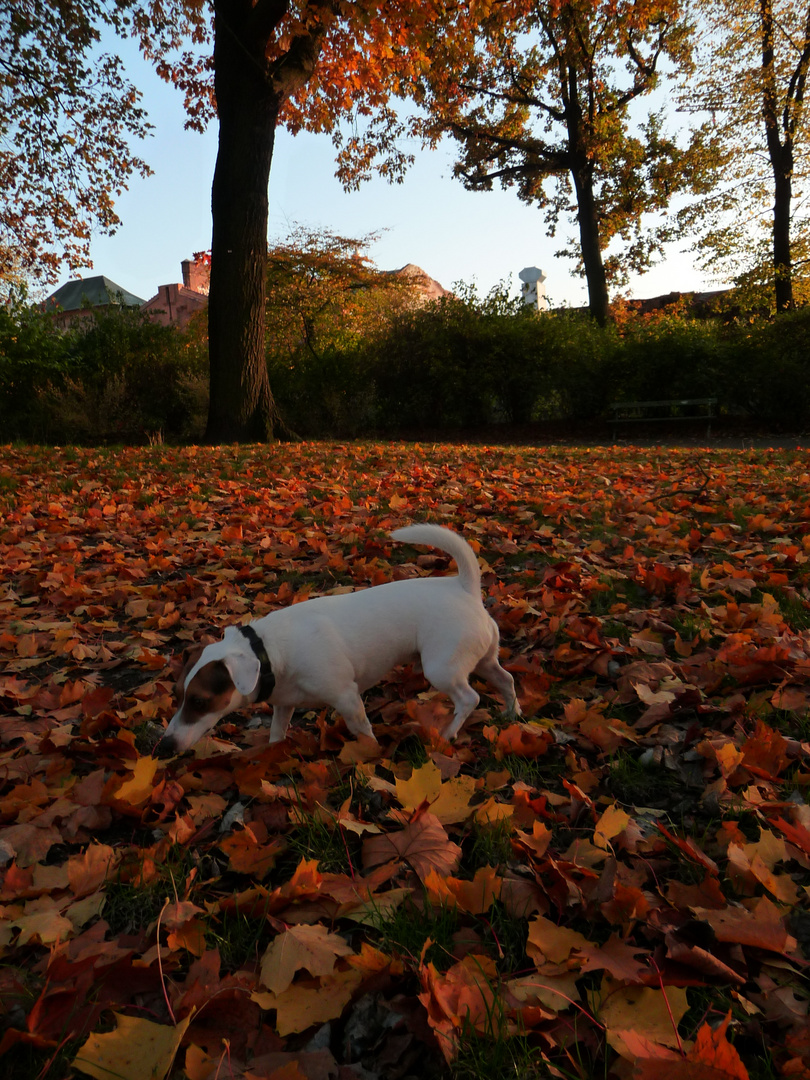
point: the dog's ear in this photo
(244, 669)
(191, 655)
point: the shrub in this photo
(372, 361)
(32, 354)
(116, 377)
(768, 369)
(455, 364)
(464, 363)
(324, 394)
(671, 355)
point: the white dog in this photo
(328, 650)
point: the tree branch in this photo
(797, 84)
(560, 159)
(291, 71)
(520, 98)
(265, 18)
(545, 168)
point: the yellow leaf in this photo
(553, 943)
(654, 1014)
(555, 992)
(424, 783)
(89, 870)
(376, 908)
(613, 822)
(136, 1050)
(140, 787)
(728, 758)
(438, 890)
(453, 803)
(477, 896)
(86, 909)
(299, 1007)
(45, 927)
(310, 947)
(491, 812)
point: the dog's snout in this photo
(166, 747)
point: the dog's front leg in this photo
(282, 714)
(350, 706)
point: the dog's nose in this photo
(165, 747)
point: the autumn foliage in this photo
(616, 886)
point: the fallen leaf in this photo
(138, 1049)
(310, 947)
(423, 843)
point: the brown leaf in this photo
(423, 844)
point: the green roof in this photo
(91, 292)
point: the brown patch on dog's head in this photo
(209, 692)
(204, 698)
(183, 666)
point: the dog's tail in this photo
(469, 573)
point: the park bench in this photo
(672, 409)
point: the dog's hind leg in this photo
(455, 685)
(465, 700)
(350, 706)
(490, 669)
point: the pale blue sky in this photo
(430, 219)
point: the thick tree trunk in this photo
(241, 404)
(598, 298)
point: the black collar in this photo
(267, 679)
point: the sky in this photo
(483, 238)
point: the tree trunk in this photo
(241, 405)
(587, 216)
(781, 156)
(783, 270)
(598, 299)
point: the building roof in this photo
(91, 292)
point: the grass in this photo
(507, 934)
(636, 783)
(241, 941)
(690, 626)
(413, 750)
(130, 908)
(487, 845)
(27, 1062)
(623, 592)
(483, 1057)
(407, 929)
(540, 772)
(795, 611)
(493, 1050)
(335, 850)
(794, 724)
(611, 628)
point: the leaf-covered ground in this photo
(618, 886)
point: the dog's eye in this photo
(196, 703)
